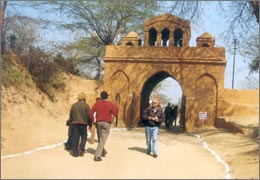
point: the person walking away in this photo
(167, 113)
(79, 116)
(175, 114)
(172, 117)
(104, 111)
(154, 116)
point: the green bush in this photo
(58, 82)
(12, 76)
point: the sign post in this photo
(203, 117)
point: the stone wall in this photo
(240, 103)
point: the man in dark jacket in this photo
(79, 116)
(154, 116)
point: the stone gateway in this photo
(134, 68)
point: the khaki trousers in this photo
(103, 130)
(91, 140)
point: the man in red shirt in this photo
(104, 111)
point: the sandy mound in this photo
(28, 116)
(31, 120)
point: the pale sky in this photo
(214, 24)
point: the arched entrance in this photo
(149, 86)
(131, 72)
(147, 89)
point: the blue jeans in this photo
(151, 134)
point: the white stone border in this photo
(201, 140)
(34, 150)
(219, 159)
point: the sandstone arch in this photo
(132, 71)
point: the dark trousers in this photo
(79, 138)
(68, 144)
(167, 121)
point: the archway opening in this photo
(165, 37)
(152, 37)
(178, 35)
(162, 87)
(129, 44)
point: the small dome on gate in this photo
(132, 34)
(206, 35)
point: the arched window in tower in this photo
(178, 37)
(205, 45)
(165, 37)
(152, 36)
(129, 44)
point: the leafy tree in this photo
(255, 8)
(162, 90)
(20, 34)
(23, 56)
(88, 61)
(241, 14)
(104, 22)
(250, 51)
(100, 23)
(250, 82)
(191, 10)
(3, 5)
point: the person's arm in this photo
(89, 122)
(114, 110)
(146, 115)
(91, 112)
(70, 115)
(160, 116)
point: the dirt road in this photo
(181, 155)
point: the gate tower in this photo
(133, 69)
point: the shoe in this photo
(73, 154)
(155, 155)
(148, 153)
(103, 154)
(97, 158)
(68, 148)
(81, 153)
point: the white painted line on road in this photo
(205, 145)
(32, 151)
(49, 146)
(228, 176)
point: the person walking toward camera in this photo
(104, 111)
(154, 116)
(79, 119)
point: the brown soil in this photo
(30, 120)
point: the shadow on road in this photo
(141, 150)
(91, 151)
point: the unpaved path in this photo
(181, 155)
